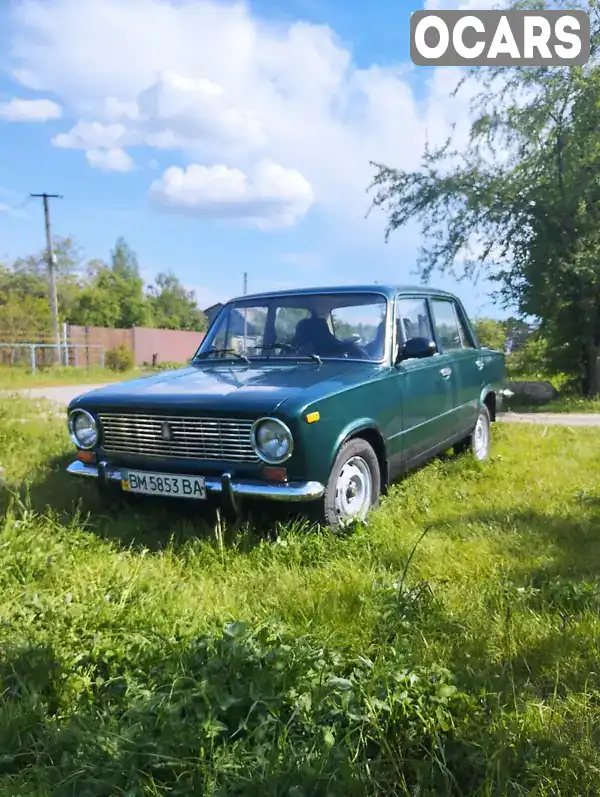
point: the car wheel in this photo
(479, 441)
(354, 485)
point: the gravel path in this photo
(65, 393)
(59, 395)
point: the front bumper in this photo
(224, 486)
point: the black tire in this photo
(360, 451)
(472, 442)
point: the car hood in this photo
(225, 388)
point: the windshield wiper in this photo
(223, 352)
(289, 347)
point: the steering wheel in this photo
(354, 350)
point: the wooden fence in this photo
(149, 346)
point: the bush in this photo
(119, 359)
(539, 361)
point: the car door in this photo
(454, 339)
(425, 384)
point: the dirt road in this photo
(64, 394)
(59, 395)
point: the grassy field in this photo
(148, 651)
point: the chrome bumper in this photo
(287, 491)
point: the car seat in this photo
(313, 334)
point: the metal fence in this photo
(44, 355)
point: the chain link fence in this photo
(34, 356)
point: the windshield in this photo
(317, 326)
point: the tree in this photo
(98, 303)
(69, 259)
(174, 307)
(29, 275)
(114, 295)
(91, 292)
(24, 306)
(128, 285)
(522, 204)
(491, 333)
(24, 295)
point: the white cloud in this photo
(16, 110)
(175, 112)
(197, 109)
(110, 160)
(271, 196)
(228, 91)
(115, 109)
(91, 135)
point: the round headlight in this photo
(272, 440)
(83, 429)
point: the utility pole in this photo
(245, 282)
(51, 271)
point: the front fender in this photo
(351, 429)
(498, 396)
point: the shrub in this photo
(119, 359)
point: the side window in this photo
(286, 320)
(449, 334)
(247, 329)
(465, 337)
(412, 320)
(361, 322)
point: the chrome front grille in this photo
(178, 437)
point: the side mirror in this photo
(417, 348)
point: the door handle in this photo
(445, 372)
(479, 363)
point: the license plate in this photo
(164, 484)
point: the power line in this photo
(51, 270)
(21, 205)
(13, 208)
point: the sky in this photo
(220, 138)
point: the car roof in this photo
(390, 291)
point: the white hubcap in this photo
(481, 440)
(353, 491)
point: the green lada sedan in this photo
(319, 397)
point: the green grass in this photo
(563, 403)
(148, 650)
(20, 378)
(55, 376)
